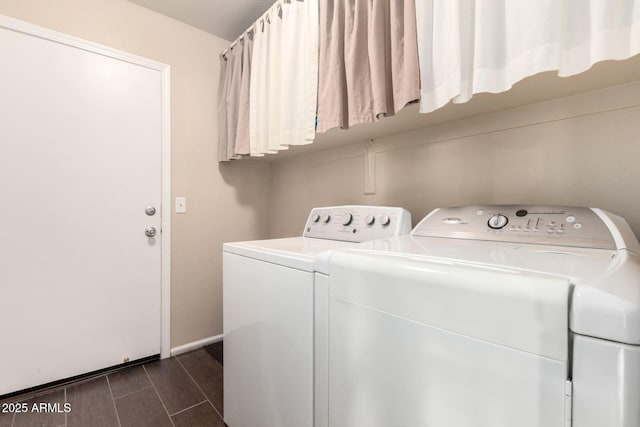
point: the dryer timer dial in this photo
(497, 221)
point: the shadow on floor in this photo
(215, 350)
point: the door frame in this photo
(165, 208)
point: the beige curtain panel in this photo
(368, 61)
(233, 99)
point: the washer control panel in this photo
(554, 225)
(357, 223)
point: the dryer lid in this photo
(294, 252)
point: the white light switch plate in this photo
(181, 205)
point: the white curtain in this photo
(261, 83)
(284, 77)
(473, 46)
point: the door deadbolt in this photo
(150, 210)
(150, 231)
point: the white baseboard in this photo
(195, 345)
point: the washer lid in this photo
(608, 306)
(520, 310)
(605, 283)
(597, 250)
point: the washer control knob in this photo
(385, 220)
(370, 219)
(315, 218)
(497, 221)
(347, 219)
(326, 218)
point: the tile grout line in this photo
(198, 385)
(158, 394)
(113, 400)
(131, 392)
(190, 407)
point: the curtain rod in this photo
(235, 42)
(252, 27)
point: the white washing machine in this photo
(486, 316)
(268, 305)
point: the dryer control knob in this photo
(347, 219)
(370, 219)
(385, 220)
(497, 221)
(326, 218)
(315, 218)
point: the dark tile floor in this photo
(181, 391)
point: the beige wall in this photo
(582, 150)
(224, 203)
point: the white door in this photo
(80, 160)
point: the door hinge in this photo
(568, 403)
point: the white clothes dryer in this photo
(485, 316)
(268, 313)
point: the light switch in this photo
(181, 205)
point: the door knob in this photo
(150, 231)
